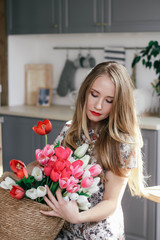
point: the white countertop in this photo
(54, 112)
(65, 113)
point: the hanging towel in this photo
(66, 81)
(115, 54)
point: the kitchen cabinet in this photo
(135, 16)
(140, 214)
(85, 16)
(33, 16)
(56, 16)
(20, 141)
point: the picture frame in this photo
(44, 97)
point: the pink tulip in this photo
(72, 181)
(73, 188)
(63, 182)
(77, 172)
(95, 170)
(87, 182)
(77, 163)
(53, 158)
(40, 157)
(48, 150)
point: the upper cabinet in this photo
(81, 16)
(135, 16)
(85, 16)
(34, 16)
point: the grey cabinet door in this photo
(81, 16)
(33, 16)
(19, 141)
(140, 213)
(135, 16)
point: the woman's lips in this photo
(95, 113)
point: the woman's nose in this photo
(99, 104)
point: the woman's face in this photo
(99, 101)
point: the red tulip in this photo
(18, 168)
(43, 128)
(54, 176)
(48, 168)
(17, 192)
(63, 153)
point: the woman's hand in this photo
(60, 208)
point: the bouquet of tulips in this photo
(58, 167)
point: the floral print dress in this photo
(111, 228)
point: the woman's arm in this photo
(114, 189)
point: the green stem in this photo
(45, 139)
(47, 180)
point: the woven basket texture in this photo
(21, 219)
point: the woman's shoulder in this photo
(63, 132)
(128, 152)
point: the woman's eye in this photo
(109, 101)
(93, 94)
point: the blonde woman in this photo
(105, 118)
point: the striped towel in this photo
(115, 54)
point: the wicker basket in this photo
(21, 219)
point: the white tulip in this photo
(66, 198)
(96, 180)
(85, 207)
(41, 191)
(92, 189)
(85, 160)
(88, 167)
(37, 173)
(83, 203)
(81, 150)
(7, 183)
(31, 193)
(74, 196)
(86, 174)
(3, 185)
(72, 159)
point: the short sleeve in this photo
(63, 132)
(128, 155)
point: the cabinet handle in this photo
(98, 24)
(105, 24)
(56, 26)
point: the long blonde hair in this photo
(122, 122)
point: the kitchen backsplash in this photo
(39, 49)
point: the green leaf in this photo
(148, 64)
(150, 43)
(149, 57)
(84, 194)
(57, 145)
(156, 64)
(135, 60)
(54, 186)
(143, 61)
(26, 183)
